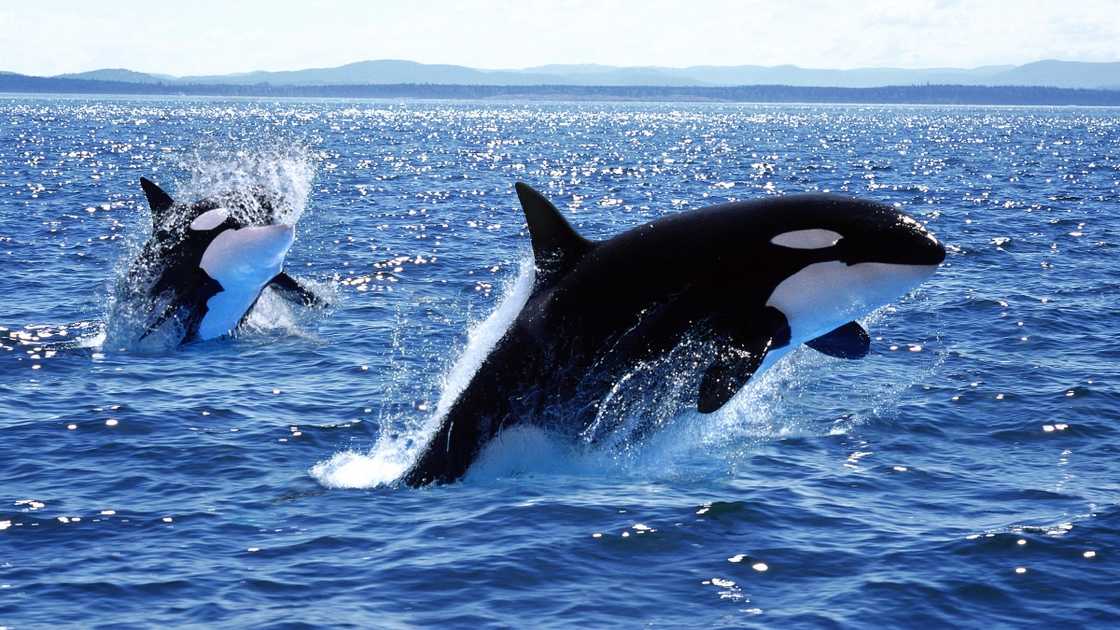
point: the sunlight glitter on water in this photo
(410, 217)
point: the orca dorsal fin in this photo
(159, 201)
(557, 247)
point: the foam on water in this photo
(381, 465)
(527, 449)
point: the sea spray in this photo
(391, 454)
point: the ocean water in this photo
(963, 474)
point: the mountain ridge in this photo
(1044, 73)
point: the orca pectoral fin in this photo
(291, 289)
(168, 311)
(187, 303)
(174, 309)
(750, 341)
(726, 377)
(849, 341)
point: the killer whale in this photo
(747, 280)
(206, 263)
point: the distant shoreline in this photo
(890, 95)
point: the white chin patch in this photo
(807, 239)
(210, 219)
(824, 295)
(242, 261)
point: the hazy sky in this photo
(212, 36)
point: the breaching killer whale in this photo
(207, 263)
(750, 279)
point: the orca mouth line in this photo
(917, 248)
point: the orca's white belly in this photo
(225, 310)
(242, 261)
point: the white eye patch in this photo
(210, 219)
(807, 239)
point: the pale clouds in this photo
(53, 36)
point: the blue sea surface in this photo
(965, 474)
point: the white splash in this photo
(284, 174)
(527, 449)
(382, 464)
(273, 315)
(390, 456)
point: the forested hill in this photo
(915, 94)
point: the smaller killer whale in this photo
(742, 282)
(206, 263)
